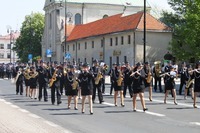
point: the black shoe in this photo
(46, 100)
(134, 110)
(145, 109)
(58, 103)
(91, 113)
(122, 105)
(161, 91)
(195, 106)
(39, 99)
(101, 101)
(75, 108)
(21, 93)
(17, 93)
(53, 103)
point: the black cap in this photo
(198, 63)
(71, 66)
(146, 63)
(183, 63)
(95, 61)
(118, 64)
(85, 65)
(139, 64)
(126, 62)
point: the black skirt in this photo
(117, 88)
(138, 89)
(70, 91)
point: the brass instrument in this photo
(149, 77)
(157, 68)
(74, 84)
(53, 79)
(120, 79)
(18, 74)
(189, 82)
(33, 75)
(98, 78)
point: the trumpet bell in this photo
(157, 62)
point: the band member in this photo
(19, 81)
(62, 79)
(127, 79)
(138, 78)
(111, 77)
(170, 83)
(184, 76)
(190, 83)
(157, 71)
(55, 84)
(148, 81)
(86, 85)
(104, 70)
(97, 81)
(118, 80)
(27, 79)
(196, 82)
(43, 80)
(33, 82)
(72, 87)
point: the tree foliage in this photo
(29, 41)
(185, 23)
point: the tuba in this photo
(157, 68)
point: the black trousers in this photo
(127, 85)
(157, 80)
(58, 94)
(103, 85)
(43, 86)
(61, 87)
(19, 88)
(98, 88)
(181, 86)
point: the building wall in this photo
(54, 36)
(156, 47)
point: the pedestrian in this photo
(86, 85)
(138, 78)
(72, 87)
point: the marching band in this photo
(87, 80)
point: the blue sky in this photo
(13, 12)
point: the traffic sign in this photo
(48, 52)
(30, 56)
(67, 55)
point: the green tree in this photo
(186, 26)
(29, 41)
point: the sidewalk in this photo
(16, 120)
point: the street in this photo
(107, 118)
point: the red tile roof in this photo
(15, 35)
(116, 23)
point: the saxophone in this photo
(149, 77)
(189, 82)
(74, 84)
(98, 78)
(53, 79)
(120, 79)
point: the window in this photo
(92, 59)
(73, 47)
(101, 43)
(1, 55)
(79, 46)
(8, 55)
(67, 47)
(111, 42)
(122, 40)
(64, 49)
(85, 60)
(8, 46)
(116, 41)
(117, 58)
(85, 45)
(110, 62)
(58, 12)
(77, 19)
(50, 21)
(1, 46)
(79, 60)
(129, 39)
(92, 44)
(125, 59)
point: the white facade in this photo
(79, 13)
(131, 50)
(7, 55)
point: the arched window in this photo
(77, 19)
(105, 16)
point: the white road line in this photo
(195, 123)
(14, 106)
(109, 104)
(34, 116)
(2, 100)
(51, 123)
(23, 110)
(7, 103)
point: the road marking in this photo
(51, 123)
(2, 100)
(7, 103)
(23, 110)
(195, 123)
(14, 106)
(109, 104)
(34, 116)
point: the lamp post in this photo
(144, 56)
(9, 31)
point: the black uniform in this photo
(56, 87)
(69, 78)
(184, 77)
(97, 87)
(111, 80)
(169, 82)
(19, 83)
(196, 81)
(127, 81)
(43, 81)
(157, 79)
(116, 76)
(86, 83)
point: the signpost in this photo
(30, 57)
(67, 56)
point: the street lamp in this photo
(144, 56)
(9, 31)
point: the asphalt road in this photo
(107, 118)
